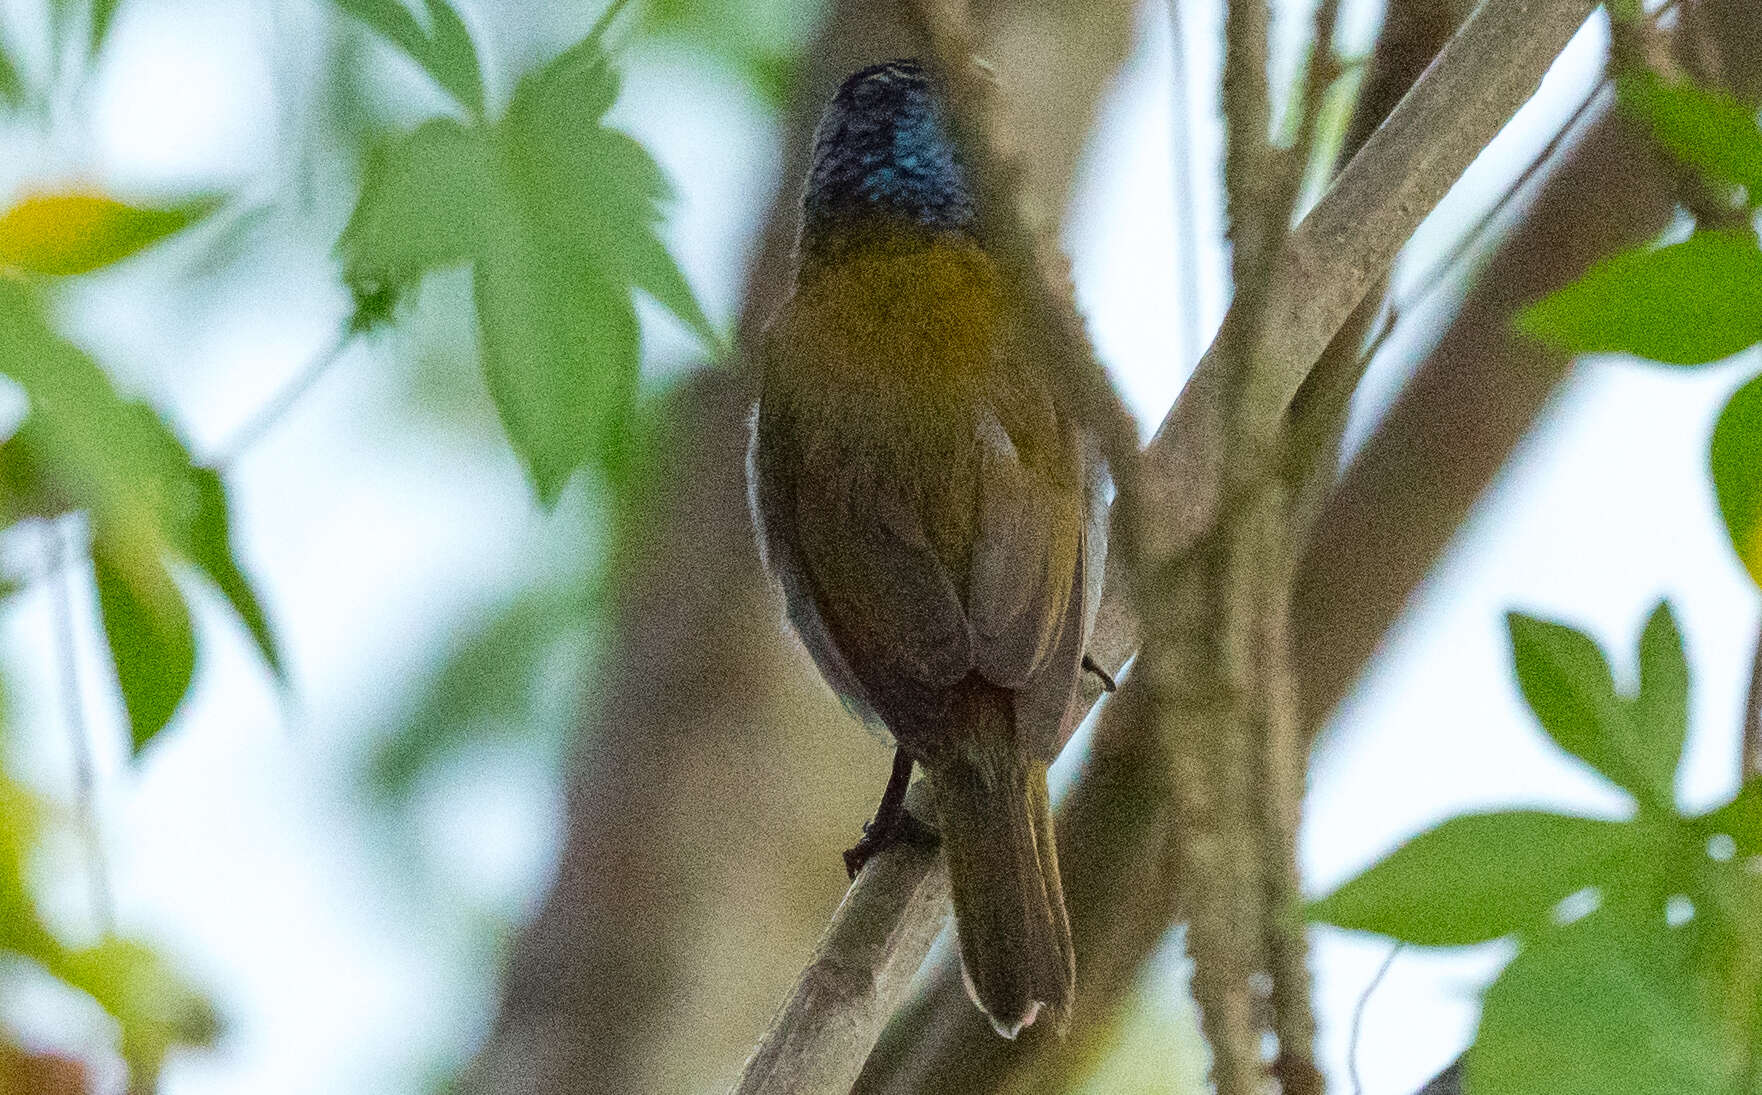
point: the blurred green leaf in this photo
(420, 209)
(83, 447)
(206, 540)
(1478, 877)
(12, 86)
(76, 233)
(488, 684)
(151, 643)
(1740, 819)
(761, 40)
(155, 1007)
(1736, 459)
(1566, 681)
(1660, 712)
(558, 215)
(1602, 1005)
(559, 355)
(1705, 128)
(103, 18)
(444, 50)
(83, 442)
(1690, 303)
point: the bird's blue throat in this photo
(883, 155)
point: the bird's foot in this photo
(878, 836)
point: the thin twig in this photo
(267, 417)
(1438, 272)
(85, 778)
(1358, 1017)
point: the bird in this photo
(934, 517)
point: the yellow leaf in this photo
(76, 232)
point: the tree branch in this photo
(859, 974)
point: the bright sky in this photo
(235, 845)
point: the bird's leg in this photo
(1090, 665)
(892, 822)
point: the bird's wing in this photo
(1026, 592)
(887, 601)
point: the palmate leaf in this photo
(421, 207)
(1690, 303)
(557, 215)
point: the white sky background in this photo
(236, 845)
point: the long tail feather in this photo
(1003, 867)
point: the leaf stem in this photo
(270, 414)
(1358, 1017)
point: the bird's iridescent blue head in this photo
(883, 152)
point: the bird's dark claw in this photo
(906, 829)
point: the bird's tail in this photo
(996, 824)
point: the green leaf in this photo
(495, 682)
(557, 214)
(1566, 681)
(76, 233)
(151, 643)
(1736, 459)
(1660, 712)
(1687, 304)
(1705, 128)
(103, 18)
(420, 209)
(12, 86)
(155, 1007)
(559, 353)
(763, 41)
(1478, 877)
(1740, 819)
(206, 540)
(87, 446)
(453, 56)
(83, 447)
(1600, 1006)
(445, 51)
(653, 270)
